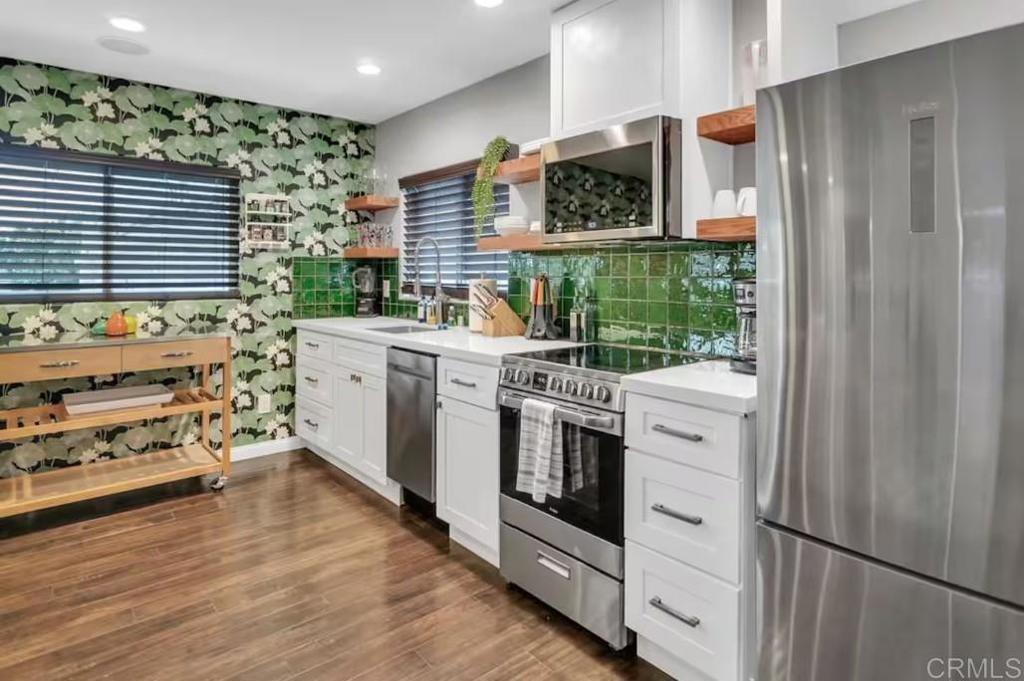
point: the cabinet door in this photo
(609, 60)
(467, 470)
(348, 416)
(374, 458)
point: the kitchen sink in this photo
(406, 329)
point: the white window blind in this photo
(90, 227)
(443, 209)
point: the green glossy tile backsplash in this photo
(676, 296)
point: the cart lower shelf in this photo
(26, 493)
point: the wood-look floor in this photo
(292, 572)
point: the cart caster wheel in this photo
(219, 483)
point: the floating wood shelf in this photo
(367, 253)
(727, 229)
(25, 493)
(53, 418)
(371, 202)
(519, 170)
(517, 242)
(736, 126)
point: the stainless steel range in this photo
(568, 550)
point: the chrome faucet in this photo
(439, 295)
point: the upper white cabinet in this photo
(614, 61)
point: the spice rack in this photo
(267, 221)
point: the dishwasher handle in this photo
(409, 372)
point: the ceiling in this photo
(299, 54)
(851, 10)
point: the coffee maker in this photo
(744, 295)
(367, 302)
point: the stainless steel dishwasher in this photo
(412, 404)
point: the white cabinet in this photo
(348, 417)
(341, 411)
(618, 60)
(468, 475)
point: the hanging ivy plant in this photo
(483, 187)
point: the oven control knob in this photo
(522, 377)
(586, 391)
(602, 394)
(555, 385)
(569, 388)
(507, 374)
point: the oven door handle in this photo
(572, 416)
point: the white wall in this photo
(457, 127)
(923, 23)
(801, 38)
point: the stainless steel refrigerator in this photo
(890, 464)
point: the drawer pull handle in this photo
(311, 379)
(464, 384)
(312, 424)
(183, 353)
(313, 346)
(678, 515)
(682, 434)
(61, 364)
(560, 569)
(688, 620)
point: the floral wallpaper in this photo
(575, 195)
(317, 161)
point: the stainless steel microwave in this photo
(623, 182)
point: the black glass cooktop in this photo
(617, 359)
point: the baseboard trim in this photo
(266, 448)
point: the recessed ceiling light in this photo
(368, 68)
(122, 45)
(127, 24)
(489, 3)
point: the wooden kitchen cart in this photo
(23, 363)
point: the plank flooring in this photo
(294, 571)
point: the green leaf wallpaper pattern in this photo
(316, 160)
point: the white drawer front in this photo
(705, 439)
(470, 383)
(698, 617)
(313, 423)
(314, 345)
(363, 357)
(313, 380)
(685, 513)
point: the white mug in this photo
(747, 203)
(725, 204)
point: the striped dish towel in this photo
(540, 462)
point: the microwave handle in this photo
(568, 415)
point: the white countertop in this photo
(456, 343)
(709, 384)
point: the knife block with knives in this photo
(498, 318)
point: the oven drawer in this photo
(362, 357)
(470, 383)
(685, 611)
(313, 380)
(573, 588)
(313, 423)
(701, 438)
(684, 513)
(314, 346)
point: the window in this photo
(89, 227)
(443, 209)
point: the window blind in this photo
(88, 227)
(443, 209)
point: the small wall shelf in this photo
(727, 229)
(518, 242)
(371, 203)
(268, 221)
(519, 170)
(367, 253)
(735, 126)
